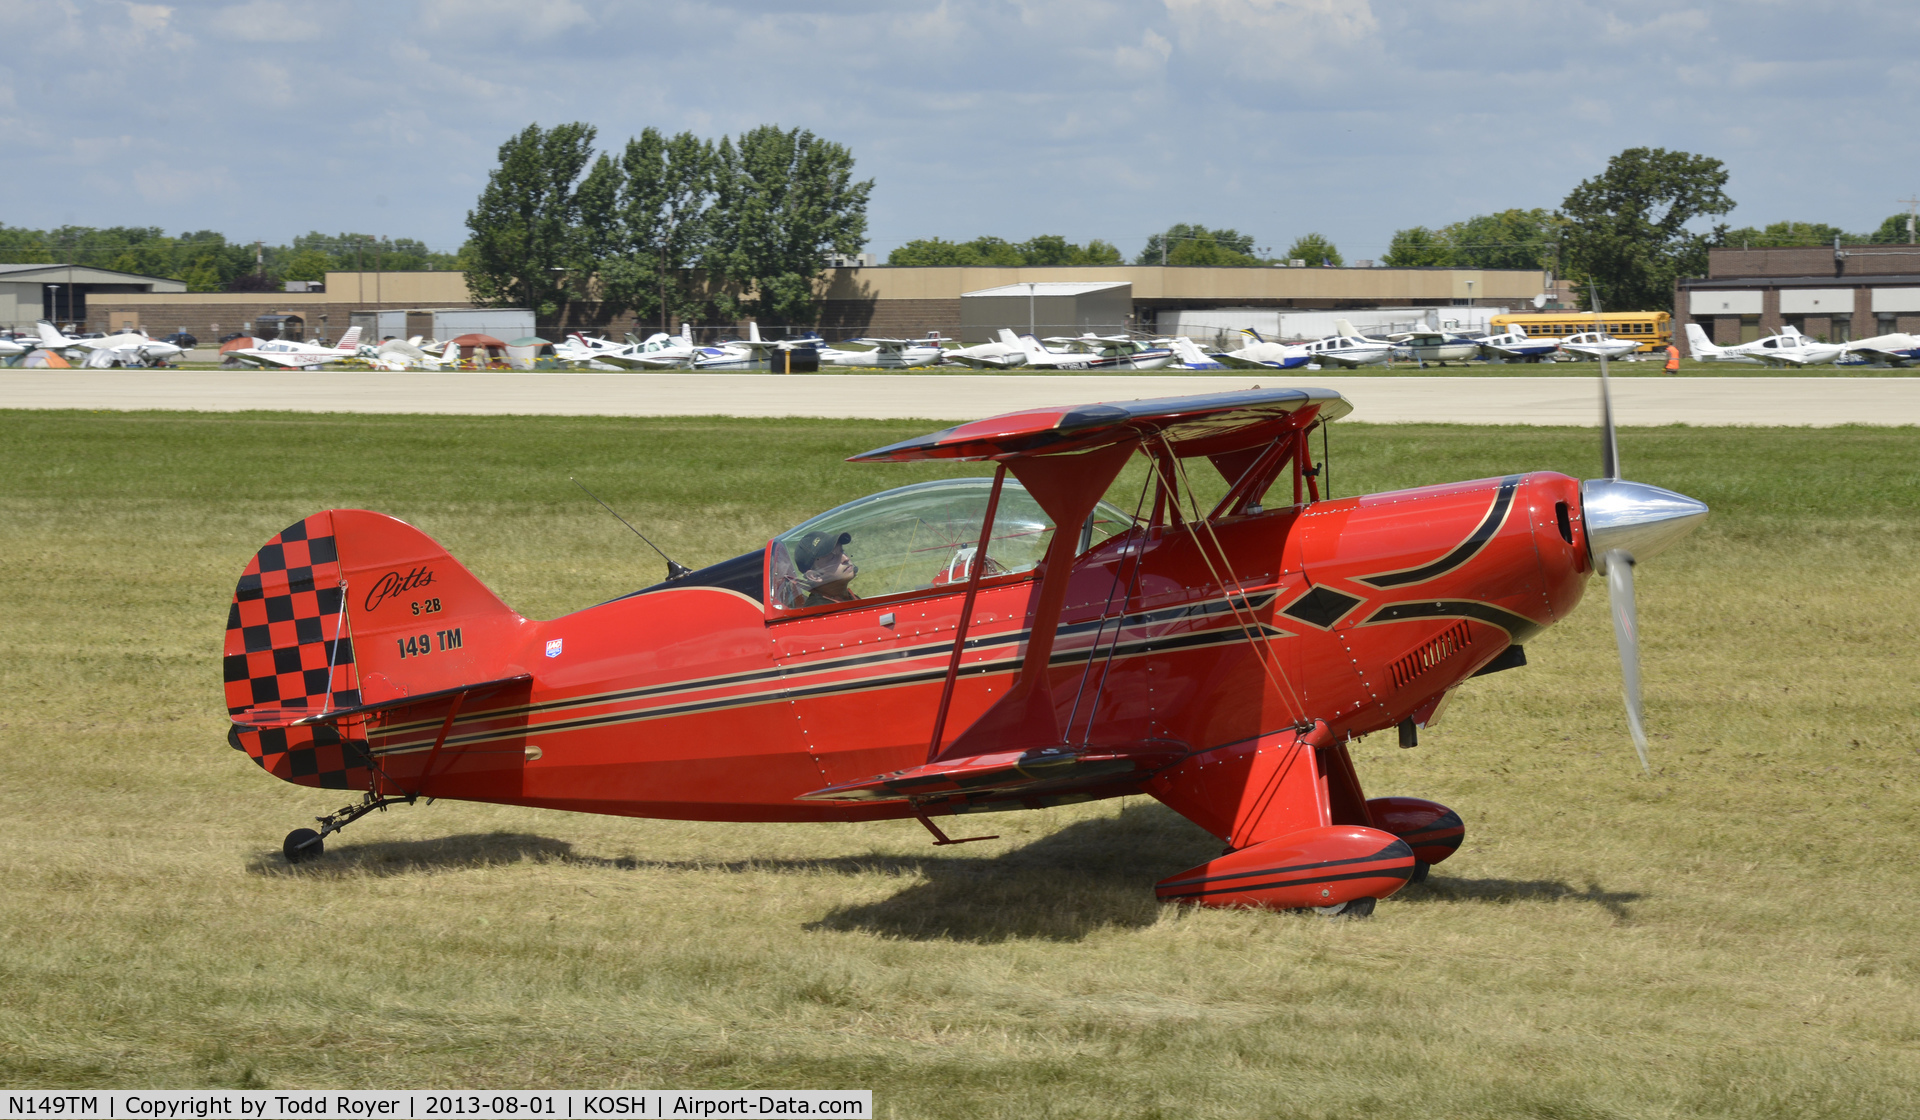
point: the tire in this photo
(301, 845)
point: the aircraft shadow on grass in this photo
(1091, 875)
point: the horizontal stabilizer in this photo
(1007, 771)
(304, 717)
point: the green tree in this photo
(1047, 249)
(525, 249)
(1418, 247)
(307, 264)
(1893, 231)
(666, 185)
(994, 252)
(24, 246)
(1185, 244)
(1508, 239)
(783, 200)
(1784, 235)
(1626, 228)
(931, 252)
(1316, 250)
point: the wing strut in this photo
(1067, 487)
(966, 617)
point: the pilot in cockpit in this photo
(825, 570)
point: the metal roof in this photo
(1870, 279)
(1051, 288)
(84, 274)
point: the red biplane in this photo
(967, 645)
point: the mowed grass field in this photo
(1736, 936)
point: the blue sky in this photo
(267, 118)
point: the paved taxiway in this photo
(1816, 401)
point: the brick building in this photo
(1834, 294)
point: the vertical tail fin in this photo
(1344, 327)
(686, 333)
(753, 330)
(1008, 338)
(351, 339)
(1699, 344)
(343, 609)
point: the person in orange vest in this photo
(1673, 358)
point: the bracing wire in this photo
(1120, 624)
(1236, 598)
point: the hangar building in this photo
(66, 293)
(1835, 294)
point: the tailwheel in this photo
(304, 843)
(1350, 910)
(301, 845)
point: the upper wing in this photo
(1224, 421)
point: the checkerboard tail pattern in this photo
(289, 653)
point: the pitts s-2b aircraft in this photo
(967, 645)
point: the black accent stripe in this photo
(1386, 852)
(1217, 636)
(1502, 503)
(1400, 873)
(791, 668)
(1519, 627)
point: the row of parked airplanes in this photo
(1347, 348)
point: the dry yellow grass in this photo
(1732, 937)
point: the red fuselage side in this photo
(698, 703)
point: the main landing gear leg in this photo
(303, 844)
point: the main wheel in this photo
(1420, 869)
(1355, 909)
(302, 844)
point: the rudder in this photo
(342, 609)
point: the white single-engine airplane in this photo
(1436, 346)
(1348, 347)
(659, 351)
(1891, 349)
(1258, 354)
(1091, 351)
(887, 353)
(1006, 353)
(126, 349)
(1591, 346)
(300, 355)
(1788, 348)
(1515, 344)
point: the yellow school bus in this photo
(1653, 330)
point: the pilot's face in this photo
(837, 566)
(833, 567)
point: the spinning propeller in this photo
(1628, 522)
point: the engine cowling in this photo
(1431, 829)
(1314, 867)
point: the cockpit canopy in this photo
(917, 538)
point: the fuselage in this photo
(706, 701)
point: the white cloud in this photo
(269, 21)
(502, 21)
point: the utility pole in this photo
(1913, 206)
